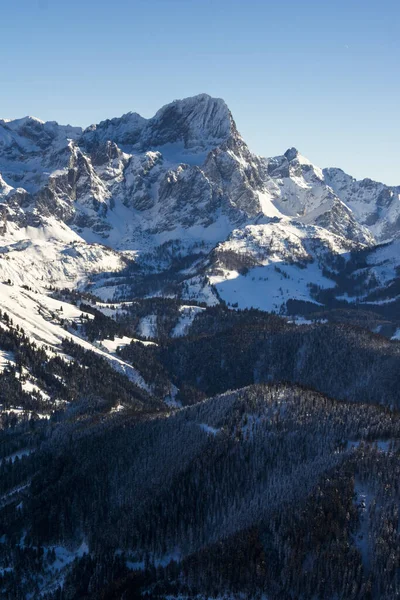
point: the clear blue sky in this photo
(323, 76)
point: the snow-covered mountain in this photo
(75, 203)
(299, 190)
(136, 453)
(374, 204)
(264, 266)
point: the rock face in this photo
(375, 205)
(198, 124)
(186, 167)
(184, 175)
(299, 190)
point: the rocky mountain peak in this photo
(291, 154)
(18, 124)
(31, 135)
(374, 204)
(199, 123)
(124, 131)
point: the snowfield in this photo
(53, 255)
(280, 260)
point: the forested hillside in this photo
(263, 459)
(269, 489)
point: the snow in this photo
(147, 327)
(188, 315)
(64, 556)
(268, 205)
(384, 262)
(37, 314)
(160, 185)
(266, 289)
(16, 124)
(206, 121)
(111, 309)
(22, 160)
(163, 561)
(6, 358)
(14, 491)
(373, 203)
(144, 342)
(18, 411)
(52, 255)
(176, 153)
(40, 318)
(54, 573)
(210, 234)
(284, 259)
(200, 290)
(298, 189)
(170, 400)
(113, 345)
(298, 320)
(208, 429)
(29, 385)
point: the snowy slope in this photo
(298, 189)
(263, 266)
(52, 254)
(46, 321)
(187, 316)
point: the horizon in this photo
(322, 79)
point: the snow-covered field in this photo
(147, 327)
(52, 254)
(284, 260)
(266, 289)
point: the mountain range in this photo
(199, 366)
(182, 184)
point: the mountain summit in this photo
(198, 123)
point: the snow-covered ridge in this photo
(374, 204)
(298, 189)
(263, 266)
(183, 177)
